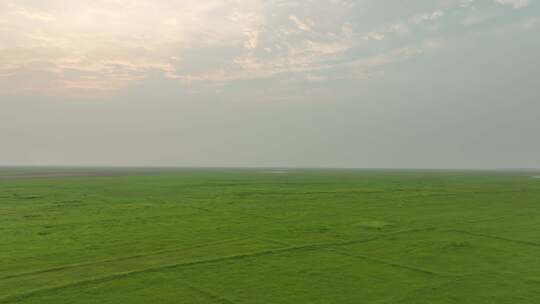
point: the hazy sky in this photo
(313, 83)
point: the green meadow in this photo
(268, 236)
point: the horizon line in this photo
(268, 167)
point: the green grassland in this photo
(258, 236)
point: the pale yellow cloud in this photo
(95, 48)
(106, 45)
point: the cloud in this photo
(32, 14)
(515, 3)
(301, 25)
(396, 28)
(397, 55)
(466, 3)
(528, 24)
(287, 51)
(476, 19)
(404, 27)
(103, 46)
(520, 26)
(417, 19)
(96, 48)
(315, 78)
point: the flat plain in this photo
(101, 235)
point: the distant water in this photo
(277, 172)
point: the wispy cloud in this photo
(419, 18)
(83, 48)
(300, 24)
(105, 45)
(515, 3)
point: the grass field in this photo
(262, 236)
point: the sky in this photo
(270, 83)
